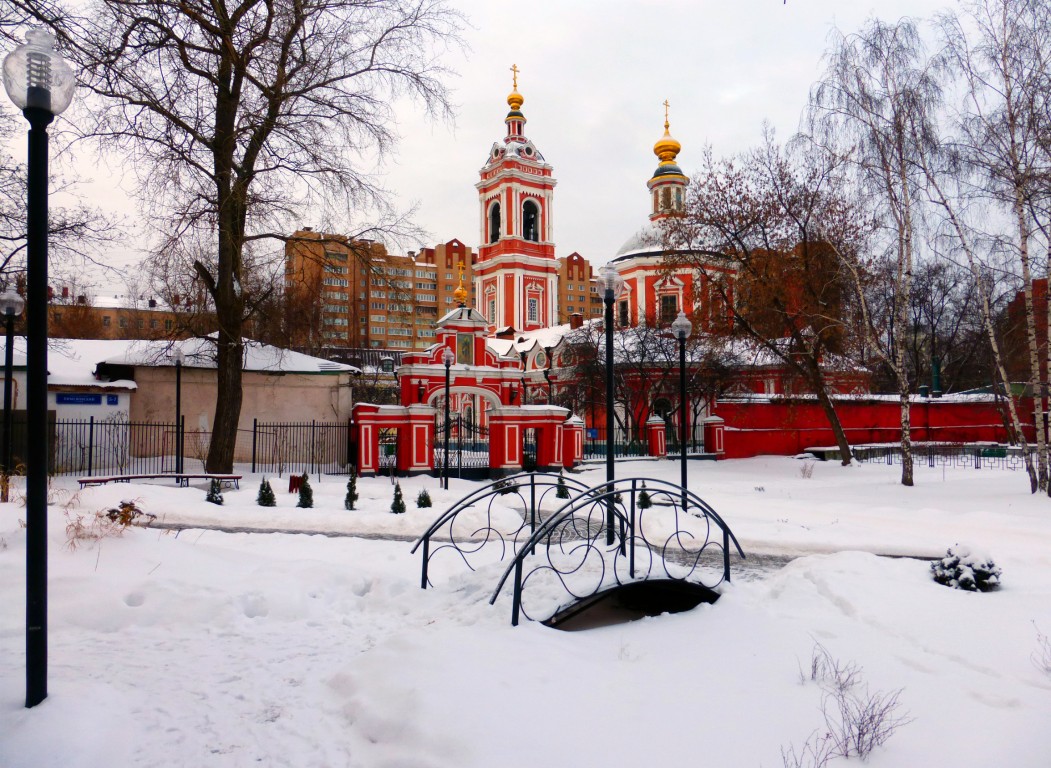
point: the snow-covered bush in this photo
(645, 502)
(964, 568)
(352, 491)
(423, 499)
(561, 490)
(215, 493)
(306, 494)
(397, 506)
(266, 496)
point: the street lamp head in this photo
(36, 77)
(448, 358)
(11, 304)
(177, 356)
(610, 282)
(681, 327)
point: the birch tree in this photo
(1001, 51)
(877, 92)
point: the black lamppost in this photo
(178, 357)
(611, 283)
(41, 85)
(681, 327)
(11, 305)
(447, 359)
(547, 376)
(525, 391)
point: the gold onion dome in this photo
(667, 148)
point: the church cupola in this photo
(668, 184)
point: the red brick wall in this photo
(789, 427)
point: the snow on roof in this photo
(200, 353)
(71, 362)
(524, 341)
(646, 240)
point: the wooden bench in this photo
(182, 479)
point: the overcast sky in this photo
(594, 74)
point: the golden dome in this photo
(460, 294)
(514, 99)
(667, 148)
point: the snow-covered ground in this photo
(205, 648)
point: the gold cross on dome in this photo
(462, 268)
(666, 105)
(514, 68)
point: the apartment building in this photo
(356, 294)
(74, 315)
(577, 289)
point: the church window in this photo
(656, 201)
(678, 199)
(494, 223)
(666, 198)
(533, 310)
(622, 314)
(530, 220)
(669, 308)
(492, 310)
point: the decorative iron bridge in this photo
(596, 542)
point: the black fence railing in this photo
(120, 447)
(309, 446)
(694, 439)
(947, 455)
(626, 443)
(113, 446)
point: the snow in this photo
(202, 647)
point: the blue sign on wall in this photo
(112, 399)
(77, 398)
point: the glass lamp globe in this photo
(448, 357)
(36, 77)
(11, 304)
(610, 281)
(681, 327)
(177, 356)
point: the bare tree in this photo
(236, 114)
(1001, 50)
(74, 233)
(877, 93)
(782, 216)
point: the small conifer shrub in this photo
(645, 502)
(215, 493)
(306, 493)
(352, 491)
(266, 496)
(397, 506)
(562, 490)
(423, 499)
(961, 568)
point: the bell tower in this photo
(515, 273)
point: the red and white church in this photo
(502, 357)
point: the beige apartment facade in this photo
(365, 297)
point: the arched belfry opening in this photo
(494, 222)
(530, 221)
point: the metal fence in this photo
(626, 443)
(945, 455)
(121, 447)
(308, 446)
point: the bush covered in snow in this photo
(963, 568)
